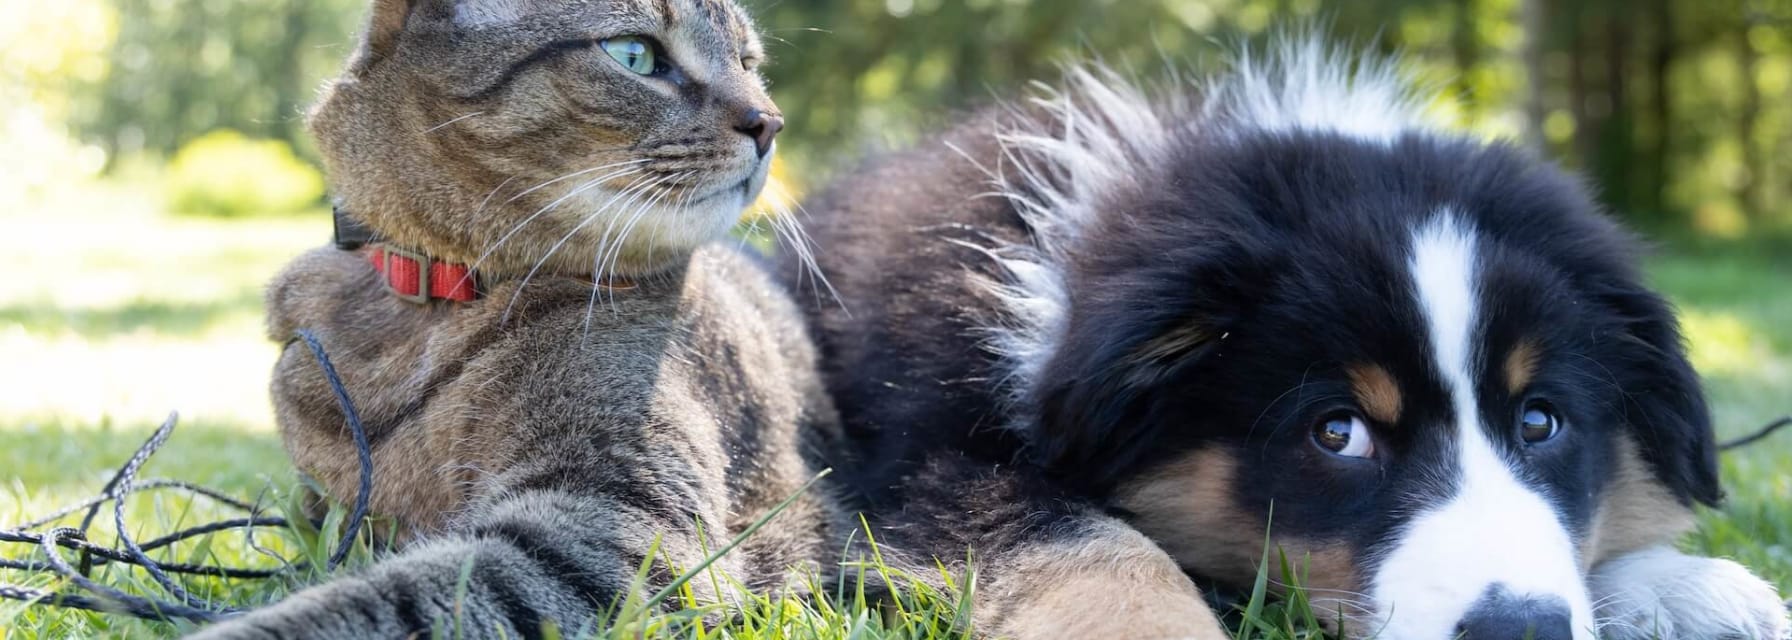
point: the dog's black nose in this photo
(1500, 615)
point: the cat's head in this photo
(586, 136)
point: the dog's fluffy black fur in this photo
(1066, 306)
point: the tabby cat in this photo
(559, 375)
(598, 384)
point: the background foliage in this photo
(1680, 110)
(119, 118)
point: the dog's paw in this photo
(1662, 593)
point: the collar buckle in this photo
(423, 269)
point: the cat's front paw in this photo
(1662, 593)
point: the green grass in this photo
(114, 315)
(1738, 314)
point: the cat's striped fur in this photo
(541, 440)
(690, 410)
(535, 444)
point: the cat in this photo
(563, 379)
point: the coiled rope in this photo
(180, 604)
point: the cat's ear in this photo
(385, 23)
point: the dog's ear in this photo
(1664, 406)
(1095, 406)
(1130, 333)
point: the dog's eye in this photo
(1345, 434)
(1539, 422)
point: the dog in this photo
(1280, 302)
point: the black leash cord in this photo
(364, 494)
(1757, 436)
(92, 596)
(189, 607)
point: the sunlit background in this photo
(154, 172)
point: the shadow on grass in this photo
(53, 459)
(182, 319)
(1752, 287)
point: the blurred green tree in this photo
(1680, 111)
(180, 68)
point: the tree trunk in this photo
(1579, 93)
(1532, 17)
(1465, 45)
(1753, 187)
(290, 89)
(1617, 137)
(1656, 190)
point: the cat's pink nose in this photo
(762, 127)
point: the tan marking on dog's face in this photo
(1521, 366)
(1187, 507)
(1635, 511)
(1173, 343)
(1376, 392)
(1114, 584)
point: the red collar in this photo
(412, 276)
(418, 278)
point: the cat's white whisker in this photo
(587, 219)
(439, 127)
(628, 228)
(489, 196)
(802, 244)
(599, 267)
(613, 242)
(514, 229)
(608, 240)
(752, 228)
(653, 240)
(471, 271)
(636, 187)
(572, 175)
(622, 237)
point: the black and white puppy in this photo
(1430, 355)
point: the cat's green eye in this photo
(634, 52)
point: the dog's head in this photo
(1430, 357)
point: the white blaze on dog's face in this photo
(1494, 557)
(1430, 357)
